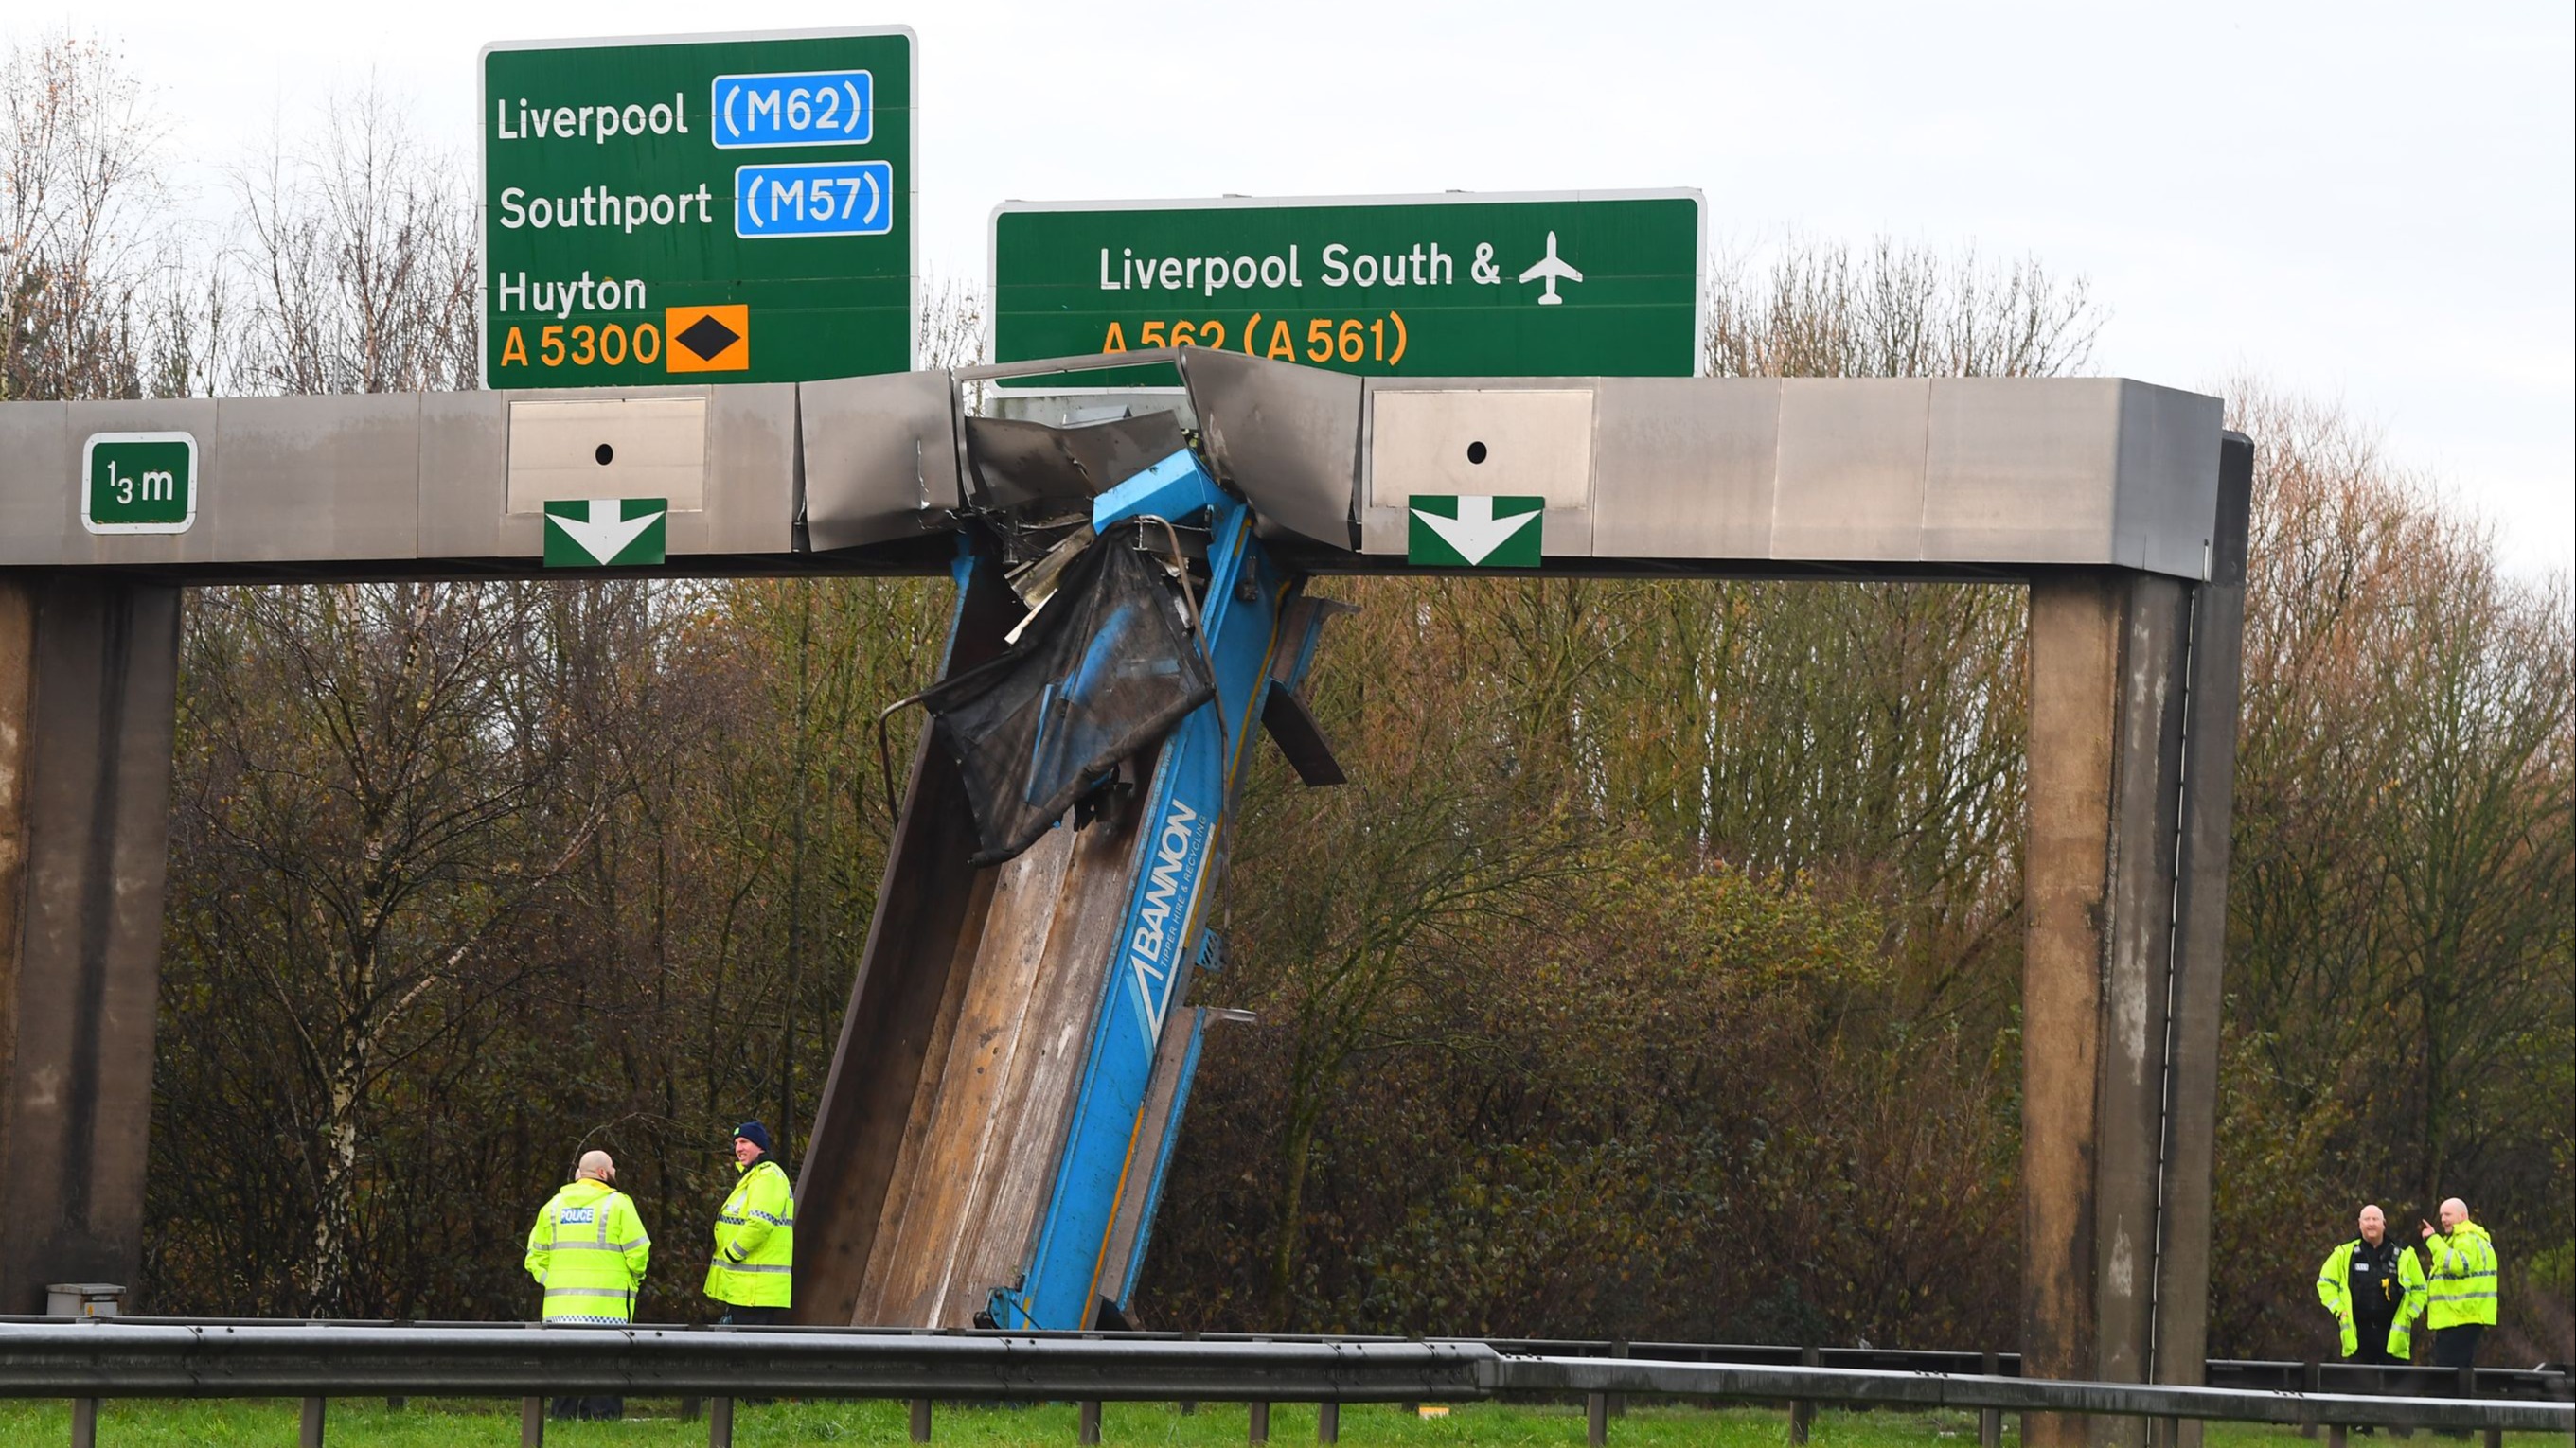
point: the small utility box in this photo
(82, 1299)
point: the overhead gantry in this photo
(1014, 1063)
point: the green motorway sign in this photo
(1462, 284)
(139, 482)
(730, 208)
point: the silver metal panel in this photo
(1533, 440)
(1384, 524)
(1287, 436)
(197, 416)
(1077, 409)
(752, 474)
(313, 479)
(39, 483)
(2168, 475)
(464, 472)
(1999, 473)
(1524, 443)
(2021, 469)
(1683, 467)
(880, 458)
(568, 449)
(1851, 469)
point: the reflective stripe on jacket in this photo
(755, 1247)
(588, 1251)
(2462, 1284)
(2334, 1289)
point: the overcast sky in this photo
(2370, 203)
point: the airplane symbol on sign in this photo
(1553, 270)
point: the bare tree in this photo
(2401, 956)
(1896, 310)
(357, 260)
(374, 760)
(953, 317)
(81, 240)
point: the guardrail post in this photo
(310, 1435)
(921, 1420)
(1087, 1431)
(1990, 1421)
(1259, 1431)
(720, 1423)
(1328, 1422)
(1619, 1401)
(84, 1423)
(2334, 1435)
(1802, 1414)
(532, 1423)
(2469, 1389)
(2311, 1380)
(1596, 1419)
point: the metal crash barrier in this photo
(130, 1358)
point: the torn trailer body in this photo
(1020, 1044)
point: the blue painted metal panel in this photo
(1119, 1285)
(1174, 488)
(1177, 854)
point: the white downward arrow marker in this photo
(606, 534)
(1476, 532)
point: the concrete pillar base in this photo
(2133, 712)
(88, 693)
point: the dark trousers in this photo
(2457, 1347)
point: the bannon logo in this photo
(1169, 885)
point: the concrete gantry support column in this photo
(2133, 711)
(88, 692)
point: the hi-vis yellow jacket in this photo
(2334, 1289)
(755, 1250)
(588, 1251)
(2463, 1279)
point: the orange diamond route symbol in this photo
(707, 339)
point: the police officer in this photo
(588, 1251)
(2462, 1285)
(750, 1270)
(2375, 1289)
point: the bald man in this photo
(588, 1251)
(2461, 1301)
(2375, 1289)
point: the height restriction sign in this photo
(716, 208)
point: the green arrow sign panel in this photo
(607, 532)
(1473, 532)
(733, 208)
(1581, 284)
